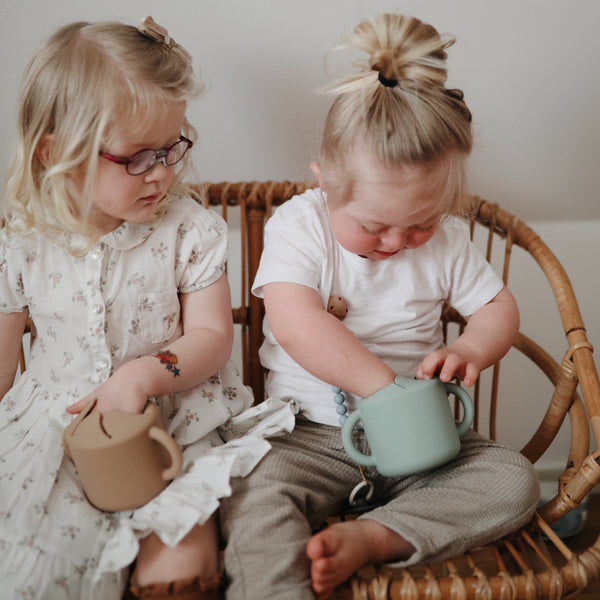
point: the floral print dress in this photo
(91, 313)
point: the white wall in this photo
(528, 69)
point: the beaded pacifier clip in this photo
(363, 491)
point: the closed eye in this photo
(372, 230)
(425, 227)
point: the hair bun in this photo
(397, 106)
(404, 49)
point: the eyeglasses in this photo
(145, 160)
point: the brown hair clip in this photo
(151, 29)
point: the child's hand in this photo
(488, 336)
(118, 392)
(449, 363)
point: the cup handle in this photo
(172, 447)
(367, 460)
(465, 400)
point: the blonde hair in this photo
(397, 105)
(84, 83)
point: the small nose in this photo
(394, 239)
(159, 173)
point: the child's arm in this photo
(12, 326)
(202, 350)
(488, 336)
(320, 343)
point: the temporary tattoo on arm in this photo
(168, 359)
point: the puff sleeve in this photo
(202, 249)
(12, 294)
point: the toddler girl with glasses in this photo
(354, 276)
(118, 267)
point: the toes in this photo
(322, 569)
(314, 548)
(331, 560)
(320, 545)
(322, 580)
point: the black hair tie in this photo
(391, 83)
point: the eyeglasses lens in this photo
(146, 159)
(141, 162)
(177, 152)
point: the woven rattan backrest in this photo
(255, 202)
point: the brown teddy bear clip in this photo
(337, 307)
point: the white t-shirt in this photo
(394, 305)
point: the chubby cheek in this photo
(418, 238)
(119, 191)
(357, 241)
(350, 235)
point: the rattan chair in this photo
(518, 567)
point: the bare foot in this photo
(342, 548)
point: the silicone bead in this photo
(341, 408)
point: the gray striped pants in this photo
(487, 491)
